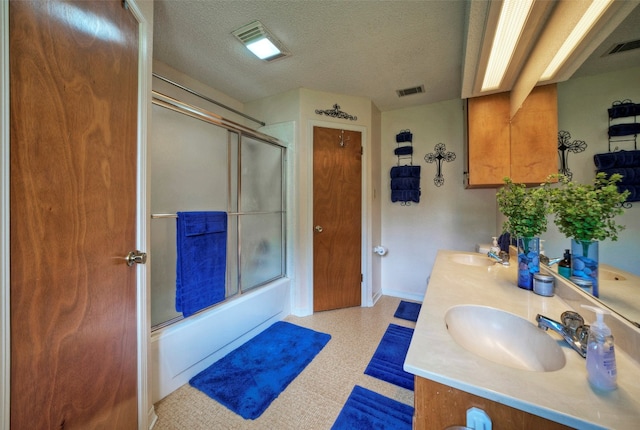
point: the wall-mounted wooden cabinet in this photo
(523, 148)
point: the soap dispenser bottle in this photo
(564, 266)
(601, 358)
(495, 248)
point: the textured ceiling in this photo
(598, 62)
(368, 48)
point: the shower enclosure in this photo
(199, 161)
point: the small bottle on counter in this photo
(564, 266)
(495, 248)
(601, 358)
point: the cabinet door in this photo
(439, 406)
(488, 136)
(534, 137)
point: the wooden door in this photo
(337, 217)
(73, 94)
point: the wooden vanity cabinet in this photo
(439, 406)
(524, 148)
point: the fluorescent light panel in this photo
(263, 48)
(590, 17)
(513, 16)
(260, 41)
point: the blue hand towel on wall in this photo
(624, 129)
(202, 260)
(630, 175)
(634, 192)
(405, 184)
(610, 160)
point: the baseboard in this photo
(152, 418)
(377, 296)
(403, 295)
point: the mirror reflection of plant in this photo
(586, 212)
(526, 209)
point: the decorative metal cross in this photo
(564, 147)
(439, 155)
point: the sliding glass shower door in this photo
(197, 165)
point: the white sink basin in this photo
(472, 259)
(504, 338)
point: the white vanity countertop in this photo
(620, 290)
(564, 396)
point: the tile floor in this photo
(314, 399)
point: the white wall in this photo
(447, 217)
(582, 107)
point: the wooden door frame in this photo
(146, 414)
(366, 227)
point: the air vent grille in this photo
(250, 32)
(410, 91)
(623, 47)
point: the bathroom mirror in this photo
(583, 101)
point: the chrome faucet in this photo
(502, 258)
(549, 262)
(572, 329)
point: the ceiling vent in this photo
(409, 91)
(255, 34)
(623, 47)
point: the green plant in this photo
(526, 209)
(586, 212)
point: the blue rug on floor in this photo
(387, 361)
(367, 410)
(408, 311)
(252, 376)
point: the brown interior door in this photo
(337, 217)
(73, 85)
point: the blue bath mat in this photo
(408, 311)
(252, 376)
(387, 361)
(367, 410)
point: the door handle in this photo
(136, 257)
(318, 228)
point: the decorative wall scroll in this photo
(564, 147)
(336, 113)
(438, 157)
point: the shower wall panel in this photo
(188, 162)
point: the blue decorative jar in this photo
(584, 261)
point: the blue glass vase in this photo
(584, 261)
(528, 261)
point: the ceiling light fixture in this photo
(590, 17)
(513, 16)
(260, 41)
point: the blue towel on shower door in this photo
(201, 260)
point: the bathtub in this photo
(182, 350)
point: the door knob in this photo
(136, 257)
(319, 228)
